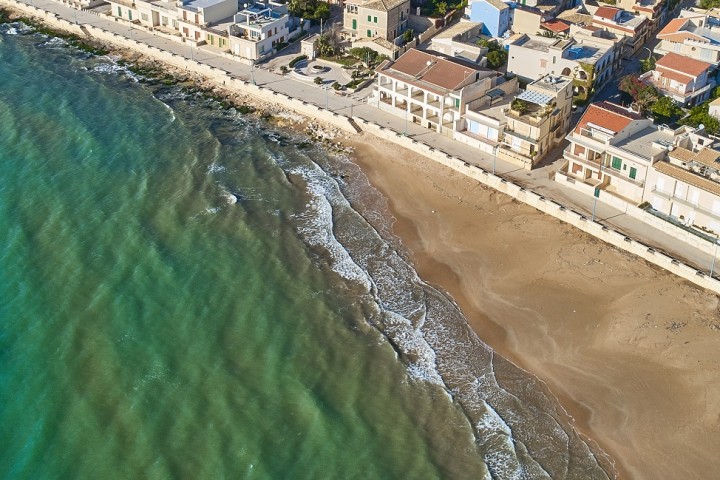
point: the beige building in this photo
(431, 90)
(537, 120)
(519, 128)
(635, 28)
(460, 40)
(686, 186)
(387, 19)
(194, 16)
(612, 152)
(258, 29)
(653, 10)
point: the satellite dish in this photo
(701, 127)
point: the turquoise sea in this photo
(188, 292)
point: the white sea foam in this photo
(230, 198)
(11, 31)
(215, 168)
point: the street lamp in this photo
(327, 95)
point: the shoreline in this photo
(508, 340)
(637, 374)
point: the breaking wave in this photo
(519, 426)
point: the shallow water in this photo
(188, 294)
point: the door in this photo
(354, 27)
(129, 15)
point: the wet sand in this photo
(631, 351)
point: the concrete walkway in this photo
(539, 180)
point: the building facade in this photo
(431, 90)
(694, 35)
(493, 14)
(386, 19)
(257, 30)
(635, 28)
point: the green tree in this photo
(643, 95)
(441, 8)
(708, 4)
(408, 35)
(699, 115)
(647, 64)
(665, 110)
(496, 59)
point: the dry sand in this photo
(631, 351)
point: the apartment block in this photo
(430, 89)
(653, 10)
(686, 186)
(386, 19)
(589, 60)
(636, 28)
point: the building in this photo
(537, 120)
(714, 108)
(636, 28)
(610, 151)
(430, 89)
(493, 14)
(461, 41)
(519, 128)
(694, 35)
(259, 29)
(686, 186)
(158, 14)
(386, 19)
(685, 80)
(589, 60)
(653, 10)
(194, 16)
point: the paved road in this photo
(539, 180)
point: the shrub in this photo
(284, 70)
(318, 81)
(297, 60)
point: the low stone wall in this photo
(645, 217)
(551, 207)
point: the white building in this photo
(259, 29)
(431, 90)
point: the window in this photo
(369, 33)
(374, 19)
(129, 14)
(164, 21)
(457, 103)
(633, 172)
(144, 16)
(616, 163)
(119, 12)
(369, 18)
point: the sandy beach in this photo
(631, 351)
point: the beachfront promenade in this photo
(539, 181)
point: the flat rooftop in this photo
(641, 143)
(195, 5)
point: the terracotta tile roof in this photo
(383, 5)
(688, 177)
(608, 116)
(677, 76)
(607, 12)
(673, 26)
(556, 26)
(441, 75)
(686, 65)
